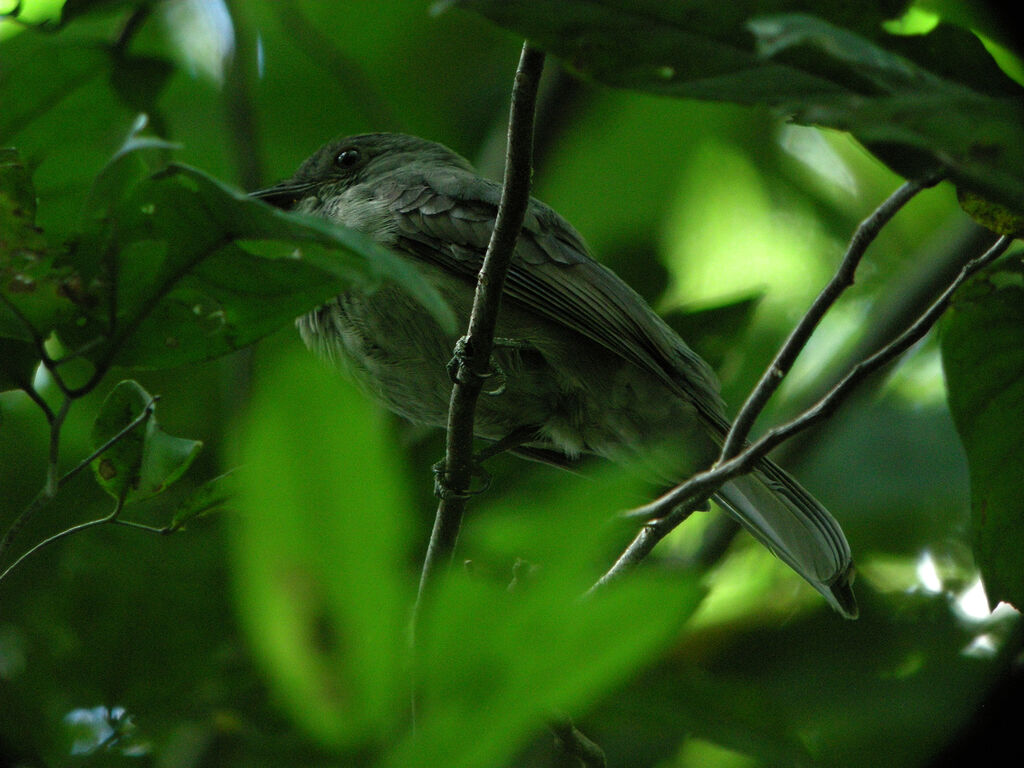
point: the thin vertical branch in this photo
(474, 350)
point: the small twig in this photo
(240, 111)
(119, 505)
(131, 28)
(574, 743)
(53, 485)
(669, 510)
(56, 424)
(474, 360)
(801, 334)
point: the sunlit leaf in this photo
(144, 460)
(504, 651)
(983, 357)
(319, 552)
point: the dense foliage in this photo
(217, 542)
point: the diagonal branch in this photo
(53, 483)
(801, 334)
(673, 507)
(473, 353)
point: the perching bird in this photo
(588, 368)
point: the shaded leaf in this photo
(143, 461)
(75, 9)
(31, 288)
(187, 267)
(211, 497)
(917, 122)
(983, 358)
(18, 362)
(997, 218)
(918, 103)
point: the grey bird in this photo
(587, 368)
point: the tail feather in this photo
(792, 524)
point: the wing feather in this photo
(448, 221)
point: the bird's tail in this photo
(800, 531)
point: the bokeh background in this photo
(728, 220)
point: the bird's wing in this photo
(448, 221)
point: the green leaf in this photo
(997, 218)
(915, 121)
(211, 497)
(126, 167)
(919, 103)
(32, 295)
(74, 9)
(197, 270)
(319, 552)
(18, 362)
(497, 661)
(983, 357)
(144, 460)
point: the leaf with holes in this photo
(142, 460)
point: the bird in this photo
(587, 367)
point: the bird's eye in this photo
(347, 158)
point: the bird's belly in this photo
(579, 397)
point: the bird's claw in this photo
(444, 491)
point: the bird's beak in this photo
(283, 195)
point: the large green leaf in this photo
(983, 357)
(182, 278)
(506, 649)
(920, 103)
(319, 551)
(916, 120)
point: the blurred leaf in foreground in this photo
(319, 552)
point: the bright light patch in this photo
(982, 647)
(810, 147)
(916, 21)
(918, 379)
(928, 573)
(203, 34)
(726, 236)
(29, 12)
(972, 603)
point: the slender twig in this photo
(474, 352)
(801, 334)
(670, 509)
(239, 109)
(56, 425)
(574, 743)
(106, 519)
(53, 485)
